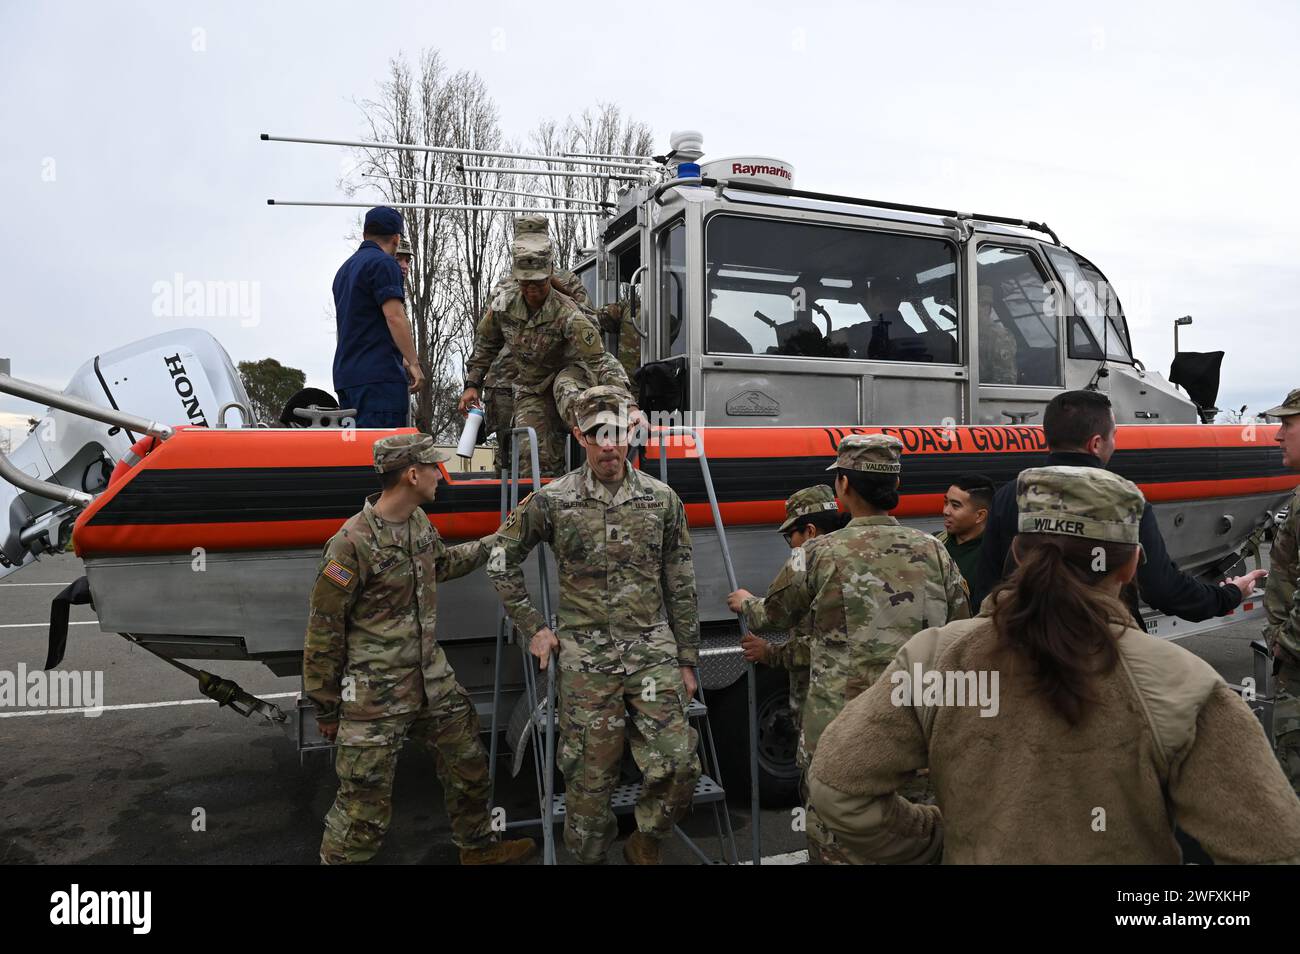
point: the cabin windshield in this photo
(1087, 301)
(777, 287)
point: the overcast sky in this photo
(1161, 142)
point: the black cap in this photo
(384, 221)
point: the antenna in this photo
(646, 160)
(621, 177)
(456, 151)
(462, 185)
(436, 205)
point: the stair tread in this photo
(624, 798)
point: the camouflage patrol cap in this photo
(873, 453)
(604, 404)
(806, 503)
(531, 223)
(532, 254)
(403, 450)
(404, 247)
(1288, 407)
(1085, 502)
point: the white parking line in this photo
(130, 705)
(87, 622)
(789, 858)
(3, 585)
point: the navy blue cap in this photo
(384, 221)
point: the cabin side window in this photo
(794, 288)
(672, 291)
(1017, 322)
(586, 273)
(625, 262)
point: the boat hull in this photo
(209, 546)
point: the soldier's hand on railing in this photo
(330, 730)
(692, 684)
(543, 644)
(755, 648)
(737, 599)
(468, 398)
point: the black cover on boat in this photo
(1197, 372)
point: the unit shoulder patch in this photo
(510, 529)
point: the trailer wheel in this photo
(778, 739)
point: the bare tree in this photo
(599, 130)
(459, 254)
(478, 238)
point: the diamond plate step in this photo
(624, 798)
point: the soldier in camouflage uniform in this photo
(1282, 603)
(547, 333)
(804, 510)
(498, 399)
(867, 589)
(404, 255)
(629, 631)
(376, 674)
(998, 349)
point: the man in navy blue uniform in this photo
(375, 365)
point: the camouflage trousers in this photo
(366, 762)
(798, 695)
(1286, 721)
(538, 412)
(498, 412)
(550, 413)
(595, 712)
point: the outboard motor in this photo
(181, 377)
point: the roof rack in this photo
(873, 203)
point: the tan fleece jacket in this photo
(1167, 744)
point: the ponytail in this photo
(1053, 612)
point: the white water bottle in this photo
(469, 436)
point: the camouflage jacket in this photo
(502, 370)
(998, 353)
(558, 336)
(370, 633)
(794, 653)
(1281, 602)
(627, 580)
(616, 319)
(867, 589)
(791, 654)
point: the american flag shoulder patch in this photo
(338, 573)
